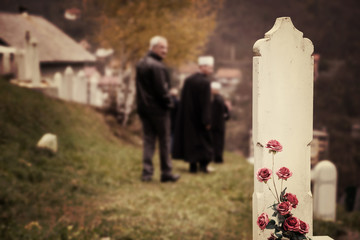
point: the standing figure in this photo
(192, 140)
(154, 104)
(219, 113)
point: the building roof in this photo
(228, 73)
(188, 68)
(54, 44)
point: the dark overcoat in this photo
(220, 114)
(192, 140)
(152, 86)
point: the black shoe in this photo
(170, 178)
(146, 178)
(193, 167)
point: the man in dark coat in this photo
(192, 140)
(154, 103)
(219, 113)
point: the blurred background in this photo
(115, 34)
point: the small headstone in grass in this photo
(48, 141)
(324, 176)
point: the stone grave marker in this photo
(59, 84)
(68, 82)
(80, 88)
(324, 176)
(283, 110)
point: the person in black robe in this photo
(192, 139)
(220, 114)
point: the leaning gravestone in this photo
(48, 141)
(283, 110)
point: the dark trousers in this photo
(156, 127)
(200, 164)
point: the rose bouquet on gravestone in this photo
(285, 225)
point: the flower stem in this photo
(274, 180)
(271, 191)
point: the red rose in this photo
(262, 221)
(264, 174)
(304, 227)
(292, 199)
(292, 224)
(284, 173)
(274, 146)
(284, 208)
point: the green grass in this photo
(91, 188)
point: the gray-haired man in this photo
(154, 103)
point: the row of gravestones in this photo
(79, 87)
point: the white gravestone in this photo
(324, 176)
(31, 60)
(283, 110)
(80, 88)
(59, 84)
(96, 95)
(68, 82)
(35, 63)
(28, 57)
(48, 141)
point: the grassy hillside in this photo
(91, 188)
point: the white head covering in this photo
(206, 60)
(216, 85)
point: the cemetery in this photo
(70, 167)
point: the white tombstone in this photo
(324, 176)
(96, 95)
(283, 110)
(59, 85)
(81, 88)
(48, 141)
(28, 57)
(35, 63)
(67, 84)
(31, 60)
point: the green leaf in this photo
(271, 225)
(275, 214)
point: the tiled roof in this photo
(54, 44)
